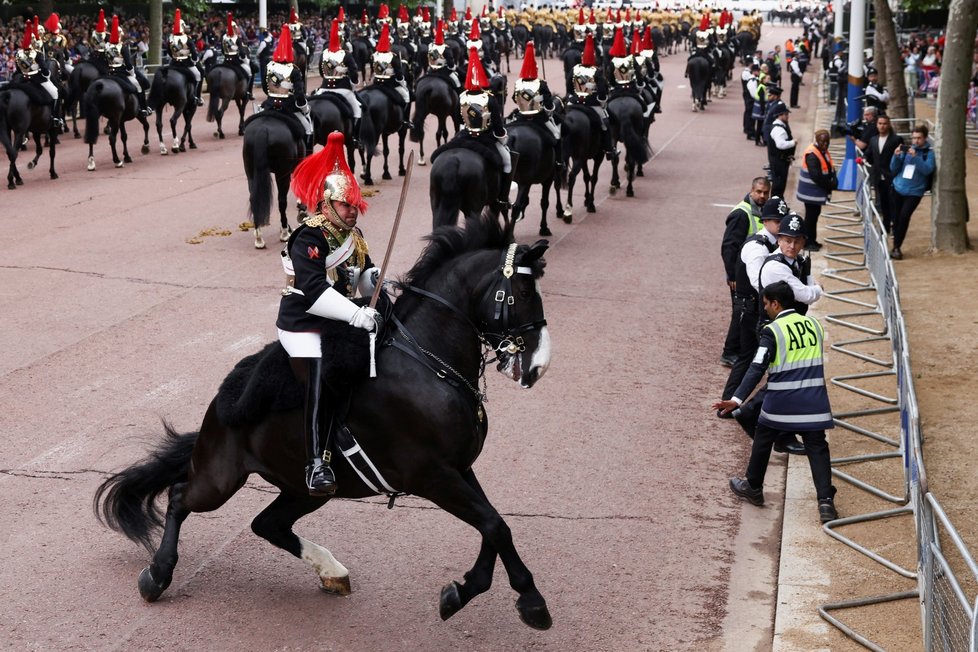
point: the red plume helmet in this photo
(636, 44)
(341, 16)
(283, 51)
(383, 12)
(326, 176)
(485, 10)
(610, 17)
(177, 29)
(591, 19)
(426, 15)
(647, 43)
(440, 33)
(25, 44)
(37, 23)
(587, 57)
(618, 46)
(475, 78)
(453, 16)
(580, 16)
(628, 15)
(384, 42)
(474, 34)
(468, 13)
(293, 16)
(705, 22)
(52, 26)
(334, 36)
(114, 36)
(529, 69)
(100, 25)
(364, 18)
(230, 24)
(402, 14)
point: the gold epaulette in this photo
(315, 221)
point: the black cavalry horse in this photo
(328, 116)
(627, 124)
(272, 147)
(421, 431)
(81, 77)
(381, 118)
(19, 116)
(434, 95)
(172, 89)
(536, 164)
(580, 136)
(224, 86)
(105, 97)
(698, 70)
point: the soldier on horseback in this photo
(535, 102)
(56, 45)
(100, 39)
(482, 48)
(701, 45)
(183, 56)
(285, 85)
(591, 90)
(405, 33)
(326, 262)
(236, 54)
(32, 66)
(647, 58)
(122, 69)
(297, 31)
(624, 70)
(441, 59)
(339, 71)
(389, 73)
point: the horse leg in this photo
(51, 148)
(177, 144)
(629, 177)
(274, 524)
(459, 494)
(387, 150)
(38, 150)
(241, 119)
(159, 132)
(521, 202)
(401, 170)
(282, 184)
(568, 213)
(113, 134)
(125, 143)
(143, 121)
(591, 186)
(615, 179)
(155, 578)
(188, 133)
(544, 205)
(91, 157)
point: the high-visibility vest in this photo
(753, 221)
(796, 398)
(808, 191)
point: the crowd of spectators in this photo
(922, 54)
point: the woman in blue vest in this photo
(816, 181)
(796, 400)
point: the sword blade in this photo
(397, 223)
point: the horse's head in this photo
(511, 315)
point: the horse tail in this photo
(155, 99)
(213, 101)
(420, 112)
(126, 501)
(368, 130)
(636, 147)
(91, 112)
(260, 181)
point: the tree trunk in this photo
(888, 61)
(155, 32)
(950, 207)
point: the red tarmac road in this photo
(611, 472)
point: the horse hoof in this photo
(144, 149)
(30, 165)
(545, 232)
(119, 164)
(613, 190)
(640, 173)
(163, 151)
(182, 148)
(78, 134)
(368, 181)
(450, 602)
(537, 617)
(386, 176)
(217, 134)
(54, 175)
(337, 585)
(422, 162)
(401, 172)
(591, 209)
(284, 234)
(629, 192)
(149, 588)
(193, 145)
(259, 244)
(91, 164)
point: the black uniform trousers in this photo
(731, 345)
(884, 202)
(795, 82)
(748, 121)
(779, 175)
(745, 312)
(816, 448)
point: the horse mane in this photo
(447, 242)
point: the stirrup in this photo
(320, 480)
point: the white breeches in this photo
(301, 345)
(68, 67)
(135, 82)
(246, 67)
(553, 128)
(52, 90)
(206, 55)
(306, 123)
(402, 88)
(507, 159)
(455, 79)
(195, 72)
(351, 99)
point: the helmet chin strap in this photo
(333, 217)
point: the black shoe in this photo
(814, 246)
(826, 510)
(146, 112)
(896, 254)
(743, 489)
(792, 446)
(320, 479)
(725, 415)
(728, 360)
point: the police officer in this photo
(748, 82)
(780, 149)
(284, 84)
(794, 67)
(339, 71)
(796, 400)
(816, 181)
(327, 262)
(236, 53)
(789, 265)
(774, 98)
(874, 92)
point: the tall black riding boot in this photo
(197, 87)
(356, 132)
(141, 100)
(609, 148)
(319, 476)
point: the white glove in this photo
(365, 318)
(368, 281)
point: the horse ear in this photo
(535, 252)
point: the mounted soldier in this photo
(441, 59)
(122, 68)
(625, 73)
(236, 55)
(404, 31)
(100, 39)
(339, 71)
(297, 32)
(388, 72)
(285, 86)
(56, 45)
(34, 75)
(647, 59)
(535, 102)
(183, 56)
(701, 41)
(482, 48)
(590, 89)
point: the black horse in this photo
(106, 97)
(421, 429)
(19, 116)
(271, 147)
(462, 181)
(327, 117)
(699, 74)
(172, 89)
(224, 86)
(580, 136)
(627, 124)
(434, 95)
(81, 77)
(535, 164)
(381, 118)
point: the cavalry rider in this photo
(482, 48)
(441, 59)
(32, 65)
(701, 46)
(327, 262)
(339, 71)
(183, 55)
(56, 45)
(389, 72)
(296, 31)
(535, 102)
(285, 85)
(623, 69)
(452, 24)
(236, 54)
(122, 68)
(591, 89)
(404, 31)
(647, 58)
(100, 39)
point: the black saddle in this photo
(236, 68)
(182, 70)
(591, 114)
(292, 122)
(477, 144)
(391, 94)
(123, 82)
(336, 99)
(35, 94)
